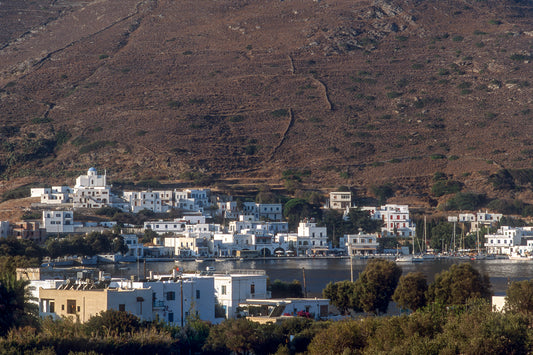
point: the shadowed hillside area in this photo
(349, 92)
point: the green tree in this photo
(376, 284)
(296, 209)
(281, 289)
(15, 307)
(232, 335)
(520, 297)
(383, 192)
(342, 295)
(459, 284)
(361, 219)
(343, 337)
(112, 322)
(411, 291)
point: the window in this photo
(71, 306)
(170, 317)
(52, 306)
(171, 296)
(197, 294)
(223, 291)
(252, 289)
(122, 307)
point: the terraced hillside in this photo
(349, 92)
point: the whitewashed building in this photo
(145, 200)
(233, 289)
(311, 238)
(59, 221)
(56, 195)
(340, 200)
(396, 220)
(361, 244)
(91, 191)
(510, 241)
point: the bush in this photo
(280, 112)
(465, 201)
(441, 188)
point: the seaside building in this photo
(360, 244)
(395, 218)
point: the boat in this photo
(404, 259)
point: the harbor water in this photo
(319, 272)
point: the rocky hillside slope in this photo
(346, 92)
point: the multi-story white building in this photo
(361, 244)
(55, 195)
(510, 241)
(233, 289)
(135, 249)
(145, 200)
(91, 191)
(250, 222)
(311, 237)
(176, 300)
(479, 219)
(340, 200)
(59, 221)
(395, 218)
(178, 225)
(263, 211)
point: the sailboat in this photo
(406, 258)
(425, 255)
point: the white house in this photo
(395, 218)
(53, 196)
(59, 221)
(135, 249)
(510, 241)
(340, 200)
(233, 289)
(174, 300)
(311, 237)
(145, 200)
(91, 191)
(361, 244)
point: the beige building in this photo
(340, 200)
(81, 305)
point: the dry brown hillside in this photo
(355, 92)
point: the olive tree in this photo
(459, 284)
(411, 291)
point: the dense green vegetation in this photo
(452, 316)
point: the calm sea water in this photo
(320, 271)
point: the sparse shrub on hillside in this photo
(393, 94)
(280, 112)
(457, 38)
(196, 100)
(40, 120)
(62, 136)
(96, 145)
(174, 104)
(237, 118)
(453, 157)
(465, 201)
(520, 57)
(441, 187)
(437, 156)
